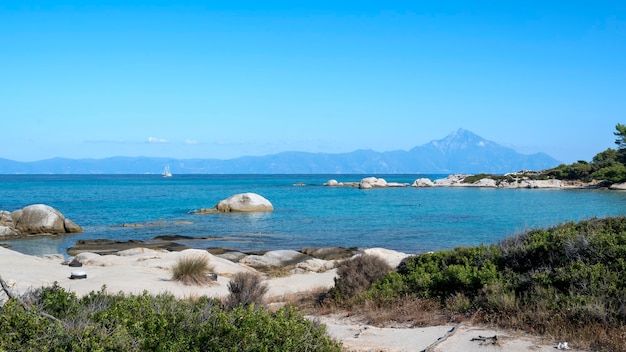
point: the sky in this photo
(223, 79)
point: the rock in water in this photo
(244, 202)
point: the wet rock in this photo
(104, 246)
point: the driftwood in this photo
(10, 294)
(484, 340)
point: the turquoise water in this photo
(412, 220)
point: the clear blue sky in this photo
(209, 79)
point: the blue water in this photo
(412, 220)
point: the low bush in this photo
(104, 322)
(245, 289)
(192, 270)
(356, 275)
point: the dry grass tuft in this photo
(192, 270)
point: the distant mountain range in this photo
(460, 152)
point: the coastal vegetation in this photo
(567, 282)
(53, 319)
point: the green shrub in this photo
(475, 178)
(568, 280)
(445, 273)
(155, 323)
(613, 174)
(192, 270)
(245, 289)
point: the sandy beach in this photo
(141, 269)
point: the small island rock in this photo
(333, 183)
(244, 202)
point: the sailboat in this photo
(167, 172)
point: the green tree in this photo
(605, 158)
(621, 141)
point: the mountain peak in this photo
(460, 139)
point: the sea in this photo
(307, 213)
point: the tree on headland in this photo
(621, 142)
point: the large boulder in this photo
(42, 219)
(372, 182)
(423, 182)
(244, 202)
(393, 258)
(333, 183)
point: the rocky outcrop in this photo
(529, 183)
(33, 220)
(372, 182)
(452, 180)
(278, 259)
(423, 182)
(242, 202)
(522, 179)
(288, 261)
(508, 181)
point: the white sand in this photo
(150, 270)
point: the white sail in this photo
(167, 172)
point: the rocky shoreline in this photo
(274, 262)
(525, 179)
